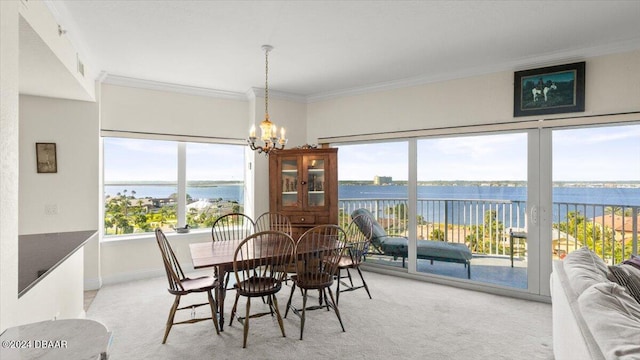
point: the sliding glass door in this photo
(472, 190)
(596, 191)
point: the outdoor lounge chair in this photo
(397, 246)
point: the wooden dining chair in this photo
(258, 265)
(180, 285)
(277, 222)
(273, 221)
(358, 239)
(317, 254)
(234, 226)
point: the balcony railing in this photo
(610, 230)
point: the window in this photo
(596, 191)
(374, 176)
(144, 180)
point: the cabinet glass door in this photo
(289, 182)
(315, 182)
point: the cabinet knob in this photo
(303, 182)
(302, 219)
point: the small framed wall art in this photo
(549, 90)
(46, 158)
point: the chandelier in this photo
(268, 130)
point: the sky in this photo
(590, 154)
(153, 160)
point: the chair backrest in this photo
(260, 261)
(273, 221)
(377, 231)
(318, 253)
(234, 226)
(358, 235)
(171, 264)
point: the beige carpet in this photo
(407, 319)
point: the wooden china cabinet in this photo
(303, 185)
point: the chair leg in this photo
(338, 286)
(214, 312)
(172, 315)
(349, 276)
(335, 308)
(234, 308)
(326, 302)
(304, 310)
(273, 300)
(246, 323)
(293, 288)
(364, 283)
(226, 281)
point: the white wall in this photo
(126, 260)
(162, 112)
(58, 295)
(9, 315)
(612, 85)
(73, 126)
(73, 190)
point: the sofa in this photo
(398, 246)
(595, 307)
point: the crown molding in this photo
(274, 94)
(119, 80)
(523, 63)
(250, 94)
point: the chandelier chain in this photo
(266, 83)
(269, 136)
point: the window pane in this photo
(472, 192)
(596, 191)
(140, 185)
(374, 176)
(215, 182)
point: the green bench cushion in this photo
(427, 249)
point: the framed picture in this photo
(549, 90)
(46, 158)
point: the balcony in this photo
(495, 231)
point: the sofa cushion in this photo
(633, 261)
(627, 276)
(584, 268)
(613, 317)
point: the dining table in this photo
(219, 255)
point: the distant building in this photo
(382, 180)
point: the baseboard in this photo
(92, 284)
(139, 275)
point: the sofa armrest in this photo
(572, 338)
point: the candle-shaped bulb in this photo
(252, 132)
(282, 133)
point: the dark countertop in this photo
(39, 254)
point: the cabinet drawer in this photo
(303, 219)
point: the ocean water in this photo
(604, 196)
(582, 195)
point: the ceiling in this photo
(328, 48)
